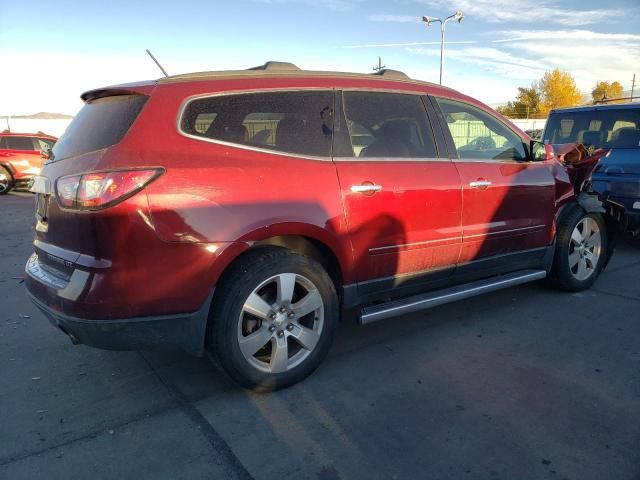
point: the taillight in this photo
(96, 190)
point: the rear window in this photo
(291, 122)
(99, 124)
(612, 128)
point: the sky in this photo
(50, 52)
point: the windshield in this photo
(611, 128)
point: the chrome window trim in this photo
(185, 103)
(495, 160)
(391, 159)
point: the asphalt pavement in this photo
(526, 383)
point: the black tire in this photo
(229, 318)
(6, 181)
(564, 273)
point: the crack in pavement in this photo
(235, 468)
(619, 295)
(173, 405)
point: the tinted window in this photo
(477, 134)
(388, 125)
(99, 124)
(19, 143)
(292, 122)
(609, 128)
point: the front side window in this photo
(42, 143)
(291, 122)
(388, 125)
(478, 135)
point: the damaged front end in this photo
(580, 162)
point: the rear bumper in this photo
(184, 332)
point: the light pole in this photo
(429, 20)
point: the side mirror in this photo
(539, 152)
(45, 152)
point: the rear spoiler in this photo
(136, 88)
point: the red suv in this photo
(244, 211)
(21, 157)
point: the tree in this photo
(527, 103)
(606, 90)
(558, 89)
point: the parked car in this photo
(21, 157)
(244, 211)
(615, 127)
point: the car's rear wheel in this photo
(274, 319)
(6, 181)
(581, 250)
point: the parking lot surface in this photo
(526, 383)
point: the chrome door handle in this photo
(480, 184)
(366, 188)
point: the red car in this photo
(21, 157)
(244, 211)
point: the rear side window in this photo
(99, 124)
(291, 122)
(388, 125)
(18, 143)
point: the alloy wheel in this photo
(4, 181)
(585, 248)
(280, 323)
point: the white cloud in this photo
(572, 35)
(394, 18)
(339, 5)
(410, 44)
(527, 11)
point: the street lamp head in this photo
(458, 16)
(427, 20)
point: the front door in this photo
(402, 203)
(508, 200)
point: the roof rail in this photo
(276, 66)
(388, 73)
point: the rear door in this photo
(508, 201)
(402, 202)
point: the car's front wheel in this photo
(581, 250)
(6, 180)
(274, 319)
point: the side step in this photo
(439, 297)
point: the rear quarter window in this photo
(101, 123)
(290, 122)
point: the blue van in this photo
(617, 127)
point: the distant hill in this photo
(45, 116)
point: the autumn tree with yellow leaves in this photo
(556, 89)
(605, 90)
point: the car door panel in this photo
(403, 213)
(508, 201)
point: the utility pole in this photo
(380, 66)
(633, 87)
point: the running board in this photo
(439, 297)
